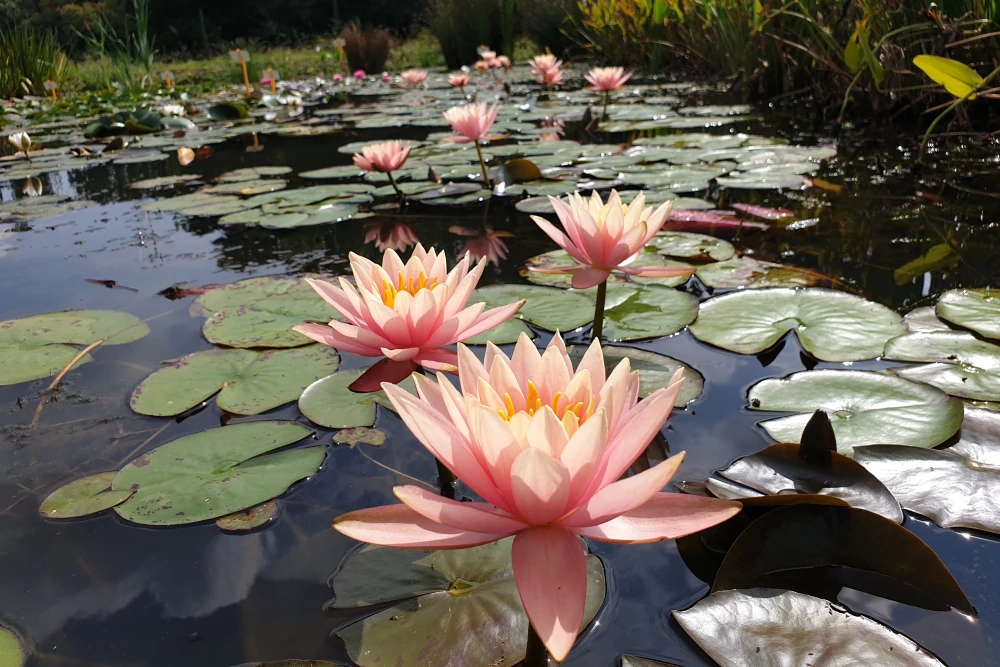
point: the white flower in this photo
(20, 141)
(173, 110)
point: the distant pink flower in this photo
(384, 157)
(502, 61)
(414, 76)
(386, 78)
(607, 79)
(406, 313)
(545, 446)
(484, 243)
(337, 78)
(359, 74)
(552, 77)
(472, 121)
(605, 238)
(487, 55)
(265, 80)
(544, 63)
(481, 65)
(459, 80)
(390, 234)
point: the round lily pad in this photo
(546, 307)
(975, 309)
(832, 326)
(646, 312)
(748, 272)
(255, 517)
(345, 171)
(655, 370)
(247, 188)
(536, 205)
(250, 382)
(12, 651)
(328, 402)
(189, 201)
(692, 246)
(88, 495)
(253, 173)
(536, 269)
(955, 362)
(864, 408)
(163, 181)
(214, 473)
(250, 326)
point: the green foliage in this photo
(27, 60)
(366, 50)
(125, 59)
(421, 51)
(545, 23)
(462, 26)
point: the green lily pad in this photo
(215, 473)
(646, 312)
(975, 309)
(255, 517)
(535, 205)
(12, 651)
(937, 258)
(188, 201)
(924, 319)
(328, 402)
(536, 267)
(163, 181)
(251, 326)
(633, 661)
(252, 173)
(247, 188)
(955, 362)
(655, 370)
(692, 246)
(345, 171)
(40, 346)
(832, 326)
(250, 382)
(360, 435)
(228, 111)
(546, 307)
(88, 495)
(748, 272)
(864, 408)
(454, 607)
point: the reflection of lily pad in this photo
(84, 496)
(955, 361)
(655, 370)
(833, 326)
(547, 307)
(250, 382)
(328, 401)
(456, 607)
(216, 472)
(975, 309)
(864, 408)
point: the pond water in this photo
(101, 591)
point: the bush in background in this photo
(546, 23)
(421, 51)
(462, 26)
(366, 49)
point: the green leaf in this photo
(228, 111)
(852, 53)
(87, 495)
(255, 517)
(748, 272)
(940, 256)
(646, 312)
(692, 246)
(455, 607)
(655, 370)
(546, 307)
(214, 473)
(957, 78)
(250, 382)
(832, 326)
(975, 309)
(360, 435)
(956, 362)
(328, 402)
(864, 408)
(560, 259)
(12, 652)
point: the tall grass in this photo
(462, 26)
(366, 50)
(27, 60)
(126, 60)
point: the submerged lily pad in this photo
(975, 309)
(832, 326)
(12, 651)
(250, 382)
(748, 272)
(864, 408)
(546, 307)
(214, 473)
(40, 346)
(733, 627)
(88, 495)
(455, 607)
(255, 517)
(956, 362)
(655, 370)
(360, 435)
(328, 402)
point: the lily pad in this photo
(252, 173)
(655, 370)
(455, 607)
(537, 267)
(12, 651)
(749, 627)
(247, 188)
(955, 362)
(163, 181)
(360, 435)
(633, 661)
(864, 408)
(328, 402)
(546, 307)
(748, 272)
(647, 312)
(832, 326)
(215, 473)
(924, 319)
(189, 201)
(692, 246)
(255, 517)
(250, 382)
(344, 171)
(975, 309)
(88, 495)
(40, 346)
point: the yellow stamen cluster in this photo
(571, 415)
(389, 290)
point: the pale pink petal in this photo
(589, 277)
(593, 361)
(474, 517)
(490, 319)
(403, 354)
(540, 486)
(327, 336)
(497, 444)
(546, 432)
(470, 369)
(582, 455)
(399, 526)
(438, 359)
(665, 516)
(525, 361)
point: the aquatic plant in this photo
(473, 123)
(21, 142)
(607, 80)
(413, 76)
(27, 60)
(385, 157)
(544, 445)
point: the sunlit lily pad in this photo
(40, 346)
(864, 408)
(345, 171)
(12, 651)
(693, 246)
(255, 517)
(954, 361)
(250, 382)
(188, 201)
(646, 312)
(924, 319)
(87, 495)
(163, 181)
(975, 309)
(535, 205)
(247, 188)
(537, 269)
(748, 272)
(733, 627)
(655, 370)
(455, 607)
(253, 173)
(832, 326)
(328, 401)
(215, 473)
(546, 307)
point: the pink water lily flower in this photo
(605, 238)
(406, 313)
(359, 74)
(472, 121)
(544, 63)
(502, 61)
(459, 80)
(607, 79)
(481, 65)
(414, 76)
(551, 77)
(384, 157)
(545, 446)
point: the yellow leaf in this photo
(957, 78)
(852, 53)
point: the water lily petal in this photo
(473, 517)
(400, 526)
(665, 516)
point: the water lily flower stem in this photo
(482, 165)
(395, 186)
(602, 294)
(604, 114)
(446, 479)
(535, 654)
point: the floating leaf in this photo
(957, 78)
(924, 319)
(546, 307)
(163, 181)
(88, 495)
(692, 246)
(793, 629)
(764, 212)
(832, 326)
(522, 169)
(748, 272)
(214, 473)
(955, 362)
(250, 382)
(455, 607)
(345, 171)
(864, 408)
(941, 256)
(975, 309)
(255, 517)
(252, 173)
(228, 111)
(633, 661)
(655, 370)
(12, 651)
(647, 312)
(360, 435)
(247, 188)
(328, 402)
(537, 269)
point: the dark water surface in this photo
(99, 591)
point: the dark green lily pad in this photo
(546, 307)
(864, 408)
(328, 402)
(975, 309)
(455, 607)
(250, 382)
(938, 257)
(12, 651)
(360, 435)
(655, 370)
(88, 495)
(255, 517)
(832, 326)
(228, 111)
(188, 201)
(954, 361)
(215, 473)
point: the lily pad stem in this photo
(535, 654)
(482, 165)
(395, 187)
(602, 294)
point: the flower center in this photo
(604, 214)
(413, 285)
(577, 413)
